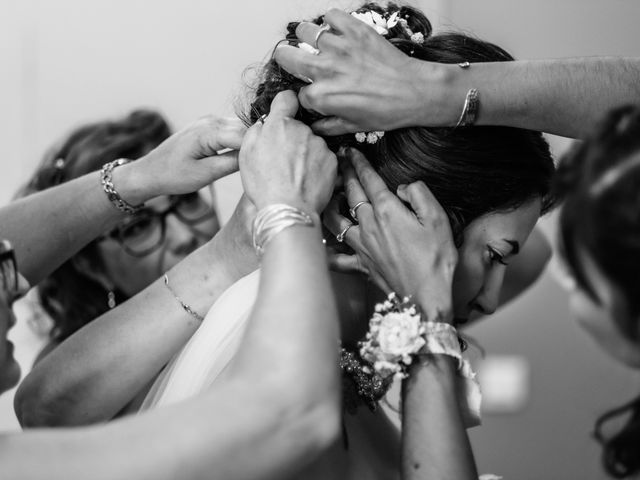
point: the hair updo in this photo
(470, 170)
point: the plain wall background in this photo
(72, 61)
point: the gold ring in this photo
(341, 236)
(354, 211)
(324, 28)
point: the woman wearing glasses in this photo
(208, 437)
(140, 249)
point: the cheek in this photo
(467, 281)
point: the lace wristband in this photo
(112, 194)
(184, 306)
(272, 220)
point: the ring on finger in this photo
(341, 236)
(262, 117)
(354, 210)
(323, 29)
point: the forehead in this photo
(514, 224)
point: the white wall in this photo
(70, 61)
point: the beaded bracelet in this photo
(112, 194)
(272, 220)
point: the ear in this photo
(93, 270)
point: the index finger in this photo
(373, 185)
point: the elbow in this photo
(311, 416)
(36, 404)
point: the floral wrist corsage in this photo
(397, 336)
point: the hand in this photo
(185, 162)
(359, 76)
(407, 251)
(282, 161)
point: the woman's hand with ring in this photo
(359, 78)
(409, 251)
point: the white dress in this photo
(210, 349)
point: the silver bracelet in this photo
(184, 306)
(272, 220)
(112, 194)
(470, 109)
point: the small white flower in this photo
(361, 137)
(372, 137)
(418, 38)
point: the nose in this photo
(23, 285)
(488, 299)
(181, 240)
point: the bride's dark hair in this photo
(472, 170)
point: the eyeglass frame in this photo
(8, 256)
(118, 233)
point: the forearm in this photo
(564, 96)
(294, 322)
(434, 441)
(222, 435)
(48, 227)
(96, 372)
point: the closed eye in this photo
(496, 257)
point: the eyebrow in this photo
(515, 246)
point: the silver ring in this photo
(262, 117)
(341, 236)
(324, 28)
(354, 211)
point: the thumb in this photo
(285, 104)
(334, 126)
(220, 165)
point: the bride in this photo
(493, 184)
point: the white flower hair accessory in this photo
(378, 22)
(369, 137)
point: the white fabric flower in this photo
(372, 137)
(399, 334)
(377, 21)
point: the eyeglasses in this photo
(9, 271)
(144, 232)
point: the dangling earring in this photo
(111, 299)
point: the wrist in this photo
(132, 183)
(441, 91)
